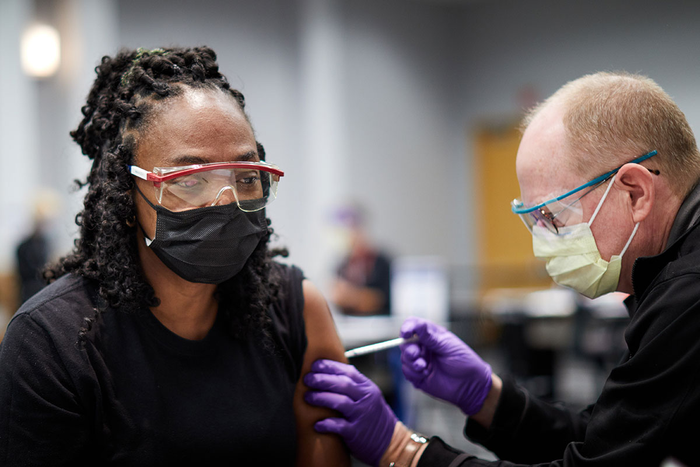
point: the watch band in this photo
(409, 451)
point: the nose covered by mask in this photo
(208, 245)
(573, 258)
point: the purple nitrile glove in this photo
(368, 422)
(440, 364)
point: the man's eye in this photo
(546, 213)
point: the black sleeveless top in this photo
(138, 394)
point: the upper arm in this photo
(316, 449)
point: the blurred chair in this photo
(536, 328)
(420, 287)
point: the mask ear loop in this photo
(145, 237)
(600, 204)
(144, 197)
(636, 226)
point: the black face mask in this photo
(208, 245)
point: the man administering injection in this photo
(608, 169)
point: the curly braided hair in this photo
(127, 89)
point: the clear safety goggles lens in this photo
(552, 216)
(565, 209)
(555, 214)
(252, 189)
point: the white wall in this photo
(398, 93)
(365, 99)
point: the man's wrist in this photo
(484, 416)
(404, 448)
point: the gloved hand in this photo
(443, 366)
(368, 422)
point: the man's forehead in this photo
(545, 183)
(543, 164)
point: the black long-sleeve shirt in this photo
(649, 408)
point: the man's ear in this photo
(638, 182)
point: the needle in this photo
(371, 348)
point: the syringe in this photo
(371, 348)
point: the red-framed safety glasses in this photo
(252, 184)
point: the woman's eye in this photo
(187, 182)
(248, 178)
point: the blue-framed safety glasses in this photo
(565, 209)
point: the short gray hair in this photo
(611, 116)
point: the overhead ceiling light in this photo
(40, 51)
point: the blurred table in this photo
(538, 327)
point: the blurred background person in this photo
(362, 286)
(35, 250)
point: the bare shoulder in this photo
(316, 449)
(323, 340)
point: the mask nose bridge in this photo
(220, 195)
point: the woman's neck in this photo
(186, 308)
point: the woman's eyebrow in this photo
(186, 160)
(190, 160)
(250, 155)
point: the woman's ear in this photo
(638, 182)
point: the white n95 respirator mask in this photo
(573, 258)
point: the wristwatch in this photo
(409, 451)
